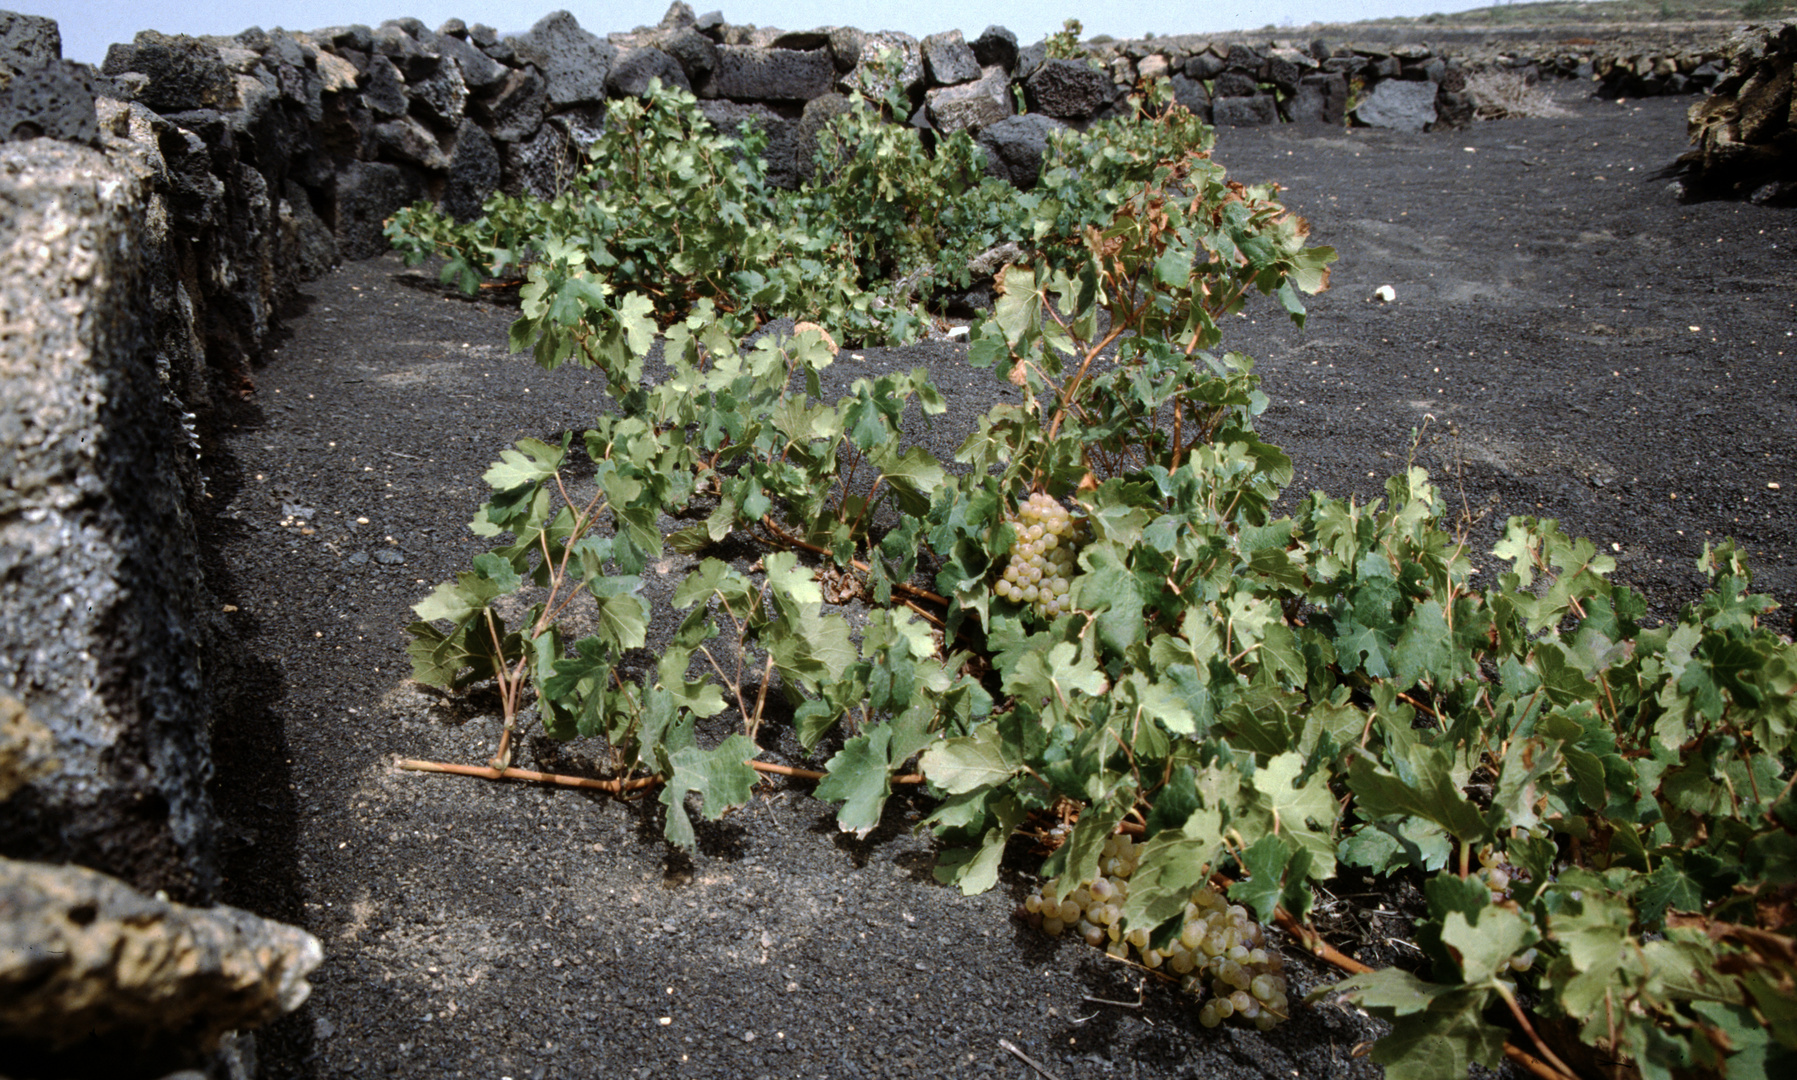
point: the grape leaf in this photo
(859, 777)
(533, 460)
(1483, 947)
(961, 765)
(721, 777)
(1169, 866)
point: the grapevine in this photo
(1113, 616)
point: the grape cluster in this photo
(1041, 565)
(1497, 875)
(1220, 955)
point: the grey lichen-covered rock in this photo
(1014, 147)
(52, 101)
(910, 62)
(1068, 89)
(746, 73)
(27, 749)
(1399, 106)
(947, 61)
(971, 106)
(26, 42)
(103, 612)
(99, 979)
(574, 62)
(539, 165)
(441, 97)
(183, 72)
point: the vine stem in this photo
(613, 787)
(1529, 1029)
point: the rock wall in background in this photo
(1745, 133)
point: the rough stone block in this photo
(971, 106)
(910, 74)
(573, 62)
(474, 172)
(407, 141)
(1191, 93)
(745, 73)
(183, 72)
(634, 68)
(52, 101)
(539, 165)
(441, 97)
(996, 45)
(1014, 147)
(1203, 66)
(1244, 111)
(1235, 83)
(99, 979)
(1398, 105)
(1068, 89)
(516, 111)
(947, 60)
(696, 53)
(1322, 98)
(26, 42)
(367, 193)
(478, 70)
(102, 608)
(383, 89)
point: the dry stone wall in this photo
(1745, 133)
(344, 125)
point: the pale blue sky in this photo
(88, 26)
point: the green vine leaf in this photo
(720, 777)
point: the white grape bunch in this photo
(1042, 557)
(1499, 876)
(1220, 954)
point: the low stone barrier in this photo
(1745, 134)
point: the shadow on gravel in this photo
(252, 786)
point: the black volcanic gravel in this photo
(1572, 342)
